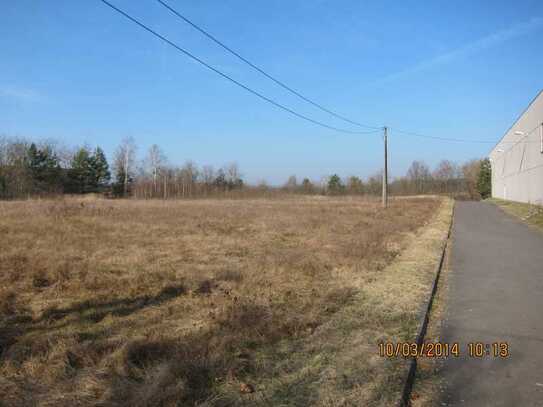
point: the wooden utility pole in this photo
(385, 169)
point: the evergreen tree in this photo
(484, 179)
(335, 186)
(80, 174)
(100, 169)
(44, 168)
(35, 162)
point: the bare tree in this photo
(233, 176)
(374, 183)
(4, 145)
(445, 174)
(445, 170)
(124, 163)
(188, 176)
(307, 186)
(15, 176)
(208, 174)
(355, 185)
(262, 185)
(419, 175)
(292, 183)
(155, 161)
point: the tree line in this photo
(30, 169)
(45, 168)
(471, 179)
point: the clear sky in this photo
(78, 72)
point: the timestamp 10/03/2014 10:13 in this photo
(443, 349)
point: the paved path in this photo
(495, 295)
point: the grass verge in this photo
(428, 381)
(529, 213)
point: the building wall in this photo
(517, 160)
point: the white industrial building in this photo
(517, 160)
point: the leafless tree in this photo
(207, 176)
(188, 175)
(15, 177)
(374, 183)
(4, 145)
(262, 185)
(355, 185)
(445, 175)
(124, 162)
(154, 162)
(419, 175)
(307, 186)
(232, 173)
(445, 170)
(292, 183)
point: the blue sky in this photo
(78, 72)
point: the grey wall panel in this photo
(517, 160)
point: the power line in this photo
(459, 140)
(283, 85)
(241, 85)
(277, 81)
(409, 133)
(265, 98)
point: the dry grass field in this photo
(211, 302)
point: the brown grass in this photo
(202, 302)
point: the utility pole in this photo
(385, 169)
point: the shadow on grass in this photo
(190, 369)
(95, 311)
(90, 311)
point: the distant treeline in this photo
(471, 180)
(42, 169)
(29, 169)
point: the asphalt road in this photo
(495, 295)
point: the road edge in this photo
(410, 378)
